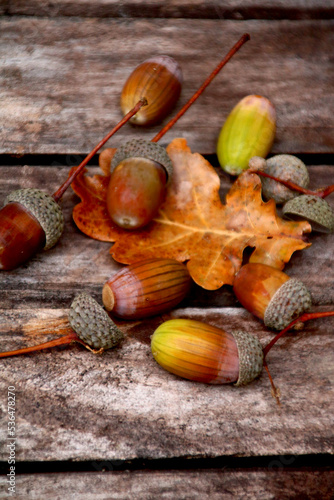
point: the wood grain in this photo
(73, 405)
(231, 9)
(62, 66)
(186, 485)
(122, 405)
(61, 79)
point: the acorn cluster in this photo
(140, 174)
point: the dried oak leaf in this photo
(193, 225)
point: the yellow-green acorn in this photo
(248, 131)
(204, 353)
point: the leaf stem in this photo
(222, 63)
(59, 193)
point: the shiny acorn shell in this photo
(270, 294)
(313, 209)
(146, 288)
(288, 168)
(248, 131)
(43, 207)
(204, 353)
(159, 80)
(92, 324)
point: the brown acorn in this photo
(32, 220)
(146, 288)
(29, 221)
(204, 353)
(140, 171)
(271, 295)
(159, 79)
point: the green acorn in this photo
(248, 131)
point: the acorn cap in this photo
(250, 357)
(289, 302)
(92, 324)
(312, 208)
(288, 168)
(43, 207)
(143, 149)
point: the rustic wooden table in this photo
(117, 426)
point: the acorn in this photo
(30, 221)
(313, 209)
(159, 79)
(146, 288)
(204, 353)
(271, 295)
(288, 168)
(140, 171)
(248, 131)
(89, 325)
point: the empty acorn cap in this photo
(250, 357)
(288, 168)
(43, 207)
(313, 209)
(92, 324)
(143, 149)
(290, 301)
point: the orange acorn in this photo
(271, 295)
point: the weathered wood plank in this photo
(138, 410)
(61, 79)
(79, 263)
(231, 9)
(207, 485)
(73, 405)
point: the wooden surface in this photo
(155, 435)
(61, 95)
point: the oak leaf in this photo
(193, 225)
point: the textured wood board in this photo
(79, 263)
(185, 485)
(61, 79)
(230, 9)
(73, 405)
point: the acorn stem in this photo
(59, 193)
(322, 192)
(222, 63)
(274, 390)
(65, 340)
(303, 318)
